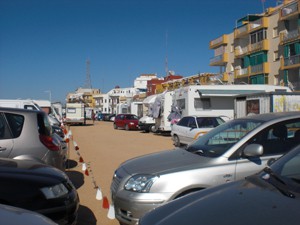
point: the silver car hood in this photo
(165, 161)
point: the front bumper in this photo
(130, 207)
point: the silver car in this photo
(227, 153)
(27, 134)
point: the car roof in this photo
(19, 110)
(273, 116)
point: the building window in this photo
(275, 32)
(276, 56)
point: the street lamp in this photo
(49, 95)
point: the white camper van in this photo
(217, 100)
(75, 113)
(147, 122)
(161, 110)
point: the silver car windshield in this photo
(220, 139)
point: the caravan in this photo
(161, 110)
(215, 100)
(147, 122)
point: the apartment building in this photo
(263, 48)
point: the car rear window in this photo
(43, 124)
(15, 122)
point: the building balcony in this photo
(289, 11)
(290, 62)
(241, 72)
(258, 24)
(240, 52)
(263, 68)
(252, 70)
(289, 36)
(259, 46)
(251, 26)
(223, 40)
(219, 60)
(241, 31)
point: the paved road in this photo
(102, 149)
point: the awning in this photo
(150, 99)
(224, 93)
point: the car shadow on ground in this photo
(71, 164)
(76, 177)
(85, 216)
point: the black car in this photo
(39, 188)
(269, 197)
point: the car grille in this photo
(116, 182)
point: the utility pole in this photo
(88, 83)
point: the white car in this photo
(189, 128)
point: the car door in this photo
(6, 138)
(276, 140)
(182, 128)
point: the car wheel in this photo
(115, 126)
(153, 129)
(176, 141)
(126, 127)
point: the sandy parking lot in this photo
(102, 148)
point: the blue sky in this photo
(44, 44)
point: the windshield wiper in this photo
(282, 188)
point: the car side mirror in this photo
(253, 150)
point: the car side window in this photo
(207, 123)
(192, 123)
(4, 129)
(183, 122)
(278, 138)
(15, 123)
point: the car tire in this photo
(126, 127)
(153, 129)
(176, 141)
(115, 126)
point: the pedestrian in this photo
(93, 116)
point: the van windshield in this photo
(220, 139)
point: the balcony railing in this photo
(262, 45)
(219, 60)
(289, 36)
(218, 41)
(240, 51)
(292, 60)
(289, 10)
(241, 72)
(260, 68)
(258, 24)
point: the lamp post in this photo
(49, 95)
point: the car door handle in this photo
(2, 149)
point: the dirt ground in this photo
(103, 149)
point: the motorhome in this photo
(217, 100)
(161, 111)
(260, 103)
(147, 122)
(75, 113)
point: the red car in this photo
(126, 121)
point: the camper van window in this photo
(181, 103)
(202, 103)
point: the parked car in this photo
(189, 128)
(126, 121)
(16, 216)
(229, 152)
(27, 134)
(40, 188)
(269, 197)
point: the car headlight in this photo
(140, 183)
(54, 191)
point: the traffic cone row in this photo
(86, 167)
